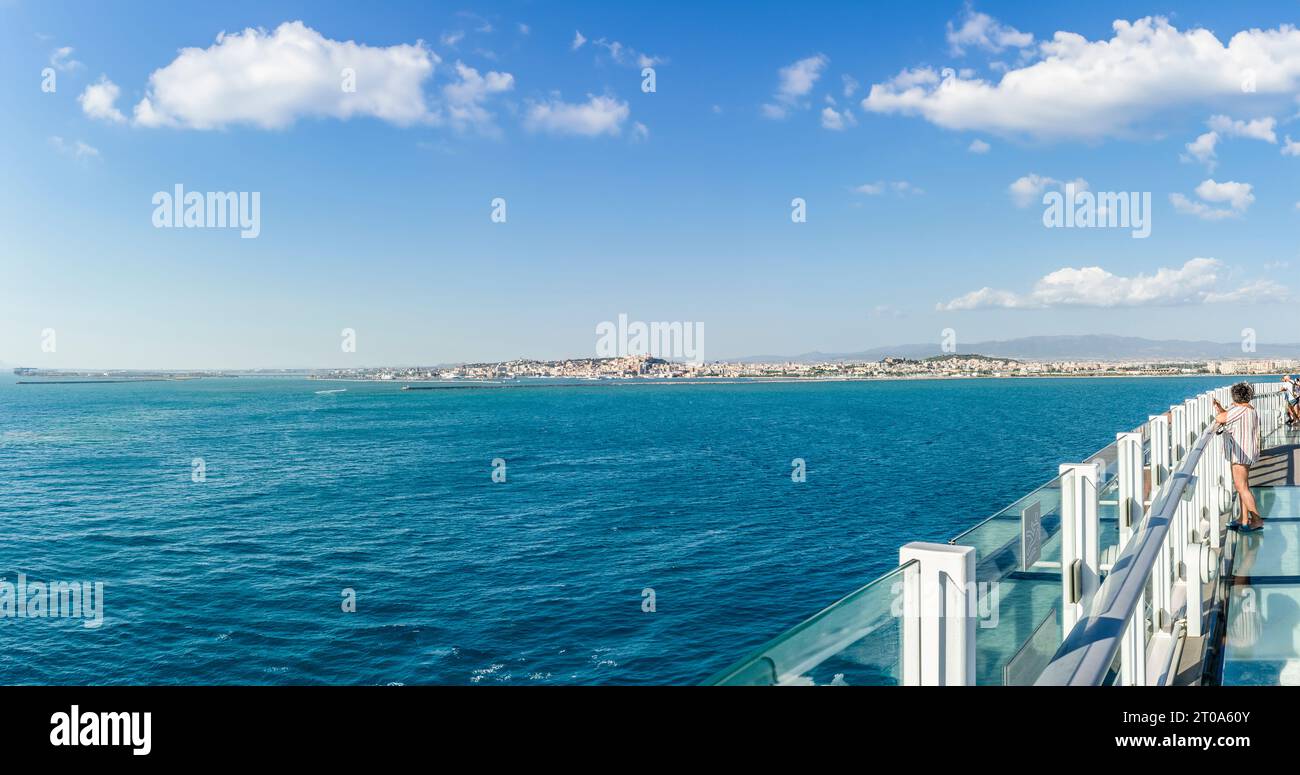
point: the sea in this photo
(253, 530)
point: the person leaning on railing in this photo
(1240, 431)
(1291, 387)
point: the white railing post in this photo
(1178, 435)
(1160, 573)
(1178, 530)
(1198, 558)
(1128, 447)
(1160, 458)
(1196, 505)
(1192, 518)
(1223, 501)
(1080, 573)
(1218, 493)
(911, 639)
(939, 635)
(1163, 454)
(1132, 658)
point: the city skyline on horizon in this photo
(491, 183)
(907, 351)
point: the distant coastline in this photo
(561, 382)
(647, 368)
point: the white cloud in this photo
(983, 298)
(1077, 88)
(836, 120)
(480, 23)
(851, 85)
(797, 80)
(99, 99)
(626, 55)
(61, 60)
(1202, 149)
(920, 76)
(979, 146)
(450, 39)
(1028, 189)
(979, 30)
(1290, 147)
(465, 97)
(597, 116)
(270, 80)
(620, 53)
(900, 187)
(1257, 129)
(1257, 292)
(76, 149)
(1201, 210)
(794, 83)
(1237, 196)
(1195, 282)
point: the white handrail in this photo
(1188, 505)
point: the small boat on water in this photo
(328, 392)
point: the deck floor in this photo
(1262, 642)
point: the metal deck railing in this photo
(1100, 576)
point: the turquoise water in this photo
(610, 489)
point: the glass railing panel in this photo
(1280, 436)
(1018, 582)
(1001, 541)
(857, 641)
(1028, 663)
(1015, 615)
(1108, 457)
(1108, 522)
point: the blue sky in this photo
(667, 206)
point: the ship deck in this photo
(1261, 633)
(1121, 570)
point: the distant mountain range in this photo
(1099, 347)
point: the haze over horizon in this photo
(922, 175)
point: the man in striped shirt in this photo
(1241, 446)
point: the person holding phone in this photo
(1241, 446)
